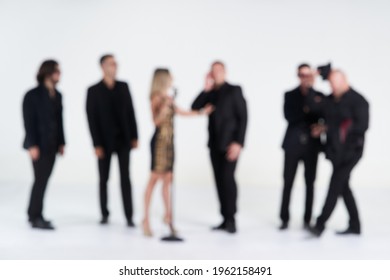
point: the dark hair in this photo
(161, 70)
(303, 65)
(104, 57)
(218, 62)
(47, 68)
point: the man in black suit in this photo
(346, 121)
(42, 114)
(113, 128)
(227, 127)
(298, 144)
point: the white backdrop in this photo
(261, 42)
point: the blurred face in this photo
(55, 77)
(338, 83)
(218, 73)
(306, 77)
(109, 67)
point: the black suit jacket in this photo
(352, 109)
(228, 122)
(103, 118)
(43, 120)
(297, 137)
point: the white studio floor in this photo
(74, 211)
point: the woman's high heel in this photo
(146, 229)
(168, 222)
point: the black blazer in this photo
(101, 115)
(352, 108)
(43, 120)
(299, 118)
(228, 122)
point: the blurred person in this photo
(113, 129)
(298, 144)
(346, 121)
(162, 144)
(42, 115)
(227, 127)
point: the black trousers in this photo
(226, 183)
(339, 186)
(42, 170)
(123, 153)
(309, 157)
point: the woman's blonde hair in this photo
(161, 81)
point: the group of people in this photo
(335, 124)
(113, 129)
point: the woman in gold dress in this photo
(162, 146)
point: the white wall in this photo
(261, 42)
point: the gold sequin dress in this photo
(162, 145)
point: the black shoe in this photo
(349, 231)
(283, 226)
(41, 224)
(316, 231)
(104, 221)
(230, 227)
(130, 223)
(220, 227)
(41, 218)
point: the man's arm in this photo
(133, 121)
(242, 116)
(30, 121)
(360, 121)
(61, 124)
(201, 101)
(240, 110)
(204, 97)
(92, 119)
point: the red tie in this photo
(344, 127)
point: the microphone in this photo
(173, 92)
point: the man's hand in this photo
(317, 130)
(99, 152)
(34, 153)
(208, 109)
(233, 151)
(134, 144)
(209, 83)
(61, 150)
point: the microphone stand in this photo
(172, 237)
